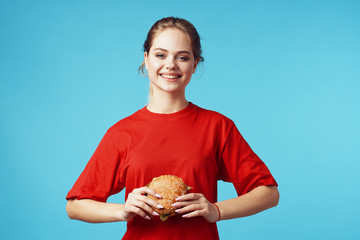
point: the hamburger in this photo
(169, 187)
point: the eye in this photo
(160, 55)
(183, 58)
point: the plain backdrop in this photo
(286, 72)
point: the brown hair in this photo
(178, 23)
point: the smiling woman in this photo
(170, 63)
(171, 136)
(186, 28)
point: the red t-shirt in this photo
(198, 145)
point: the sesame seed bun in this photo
(169, 187)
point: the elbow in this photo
(70, 208)
(275, 196)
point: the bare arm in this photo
(255, 201)
(92, 211)
(192, 205)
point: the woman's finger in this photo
(189, 197)
(146, 190)
(147, 201)
(143, 206)
(204, 210)
(190, 208)
(195, 205)
(139, 204)
(140, 208)
(185, 203)
(138, 211)
(193, 214)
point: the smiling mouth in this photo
(170, 76)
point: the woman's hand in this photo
(139, 204)
(195, 205)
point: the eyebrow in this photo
(183, 51)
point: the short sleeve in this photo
(102, 174)
(241, 166)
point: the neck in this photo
(167, 103)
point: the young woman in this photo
(172, 136)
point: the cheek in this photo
(189, 69)
(154, 66)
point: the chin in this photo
(169, 89)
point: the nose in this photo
(170, 64)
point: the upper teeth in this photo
(170, 76)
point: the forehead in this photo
(172, 39)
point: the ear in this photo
(146, 59)
(196, 63)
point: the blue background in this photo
(287, 73)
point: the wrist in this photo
(119, 214)
(218, 211)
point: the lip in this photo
(162, 75)
(170, 73)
